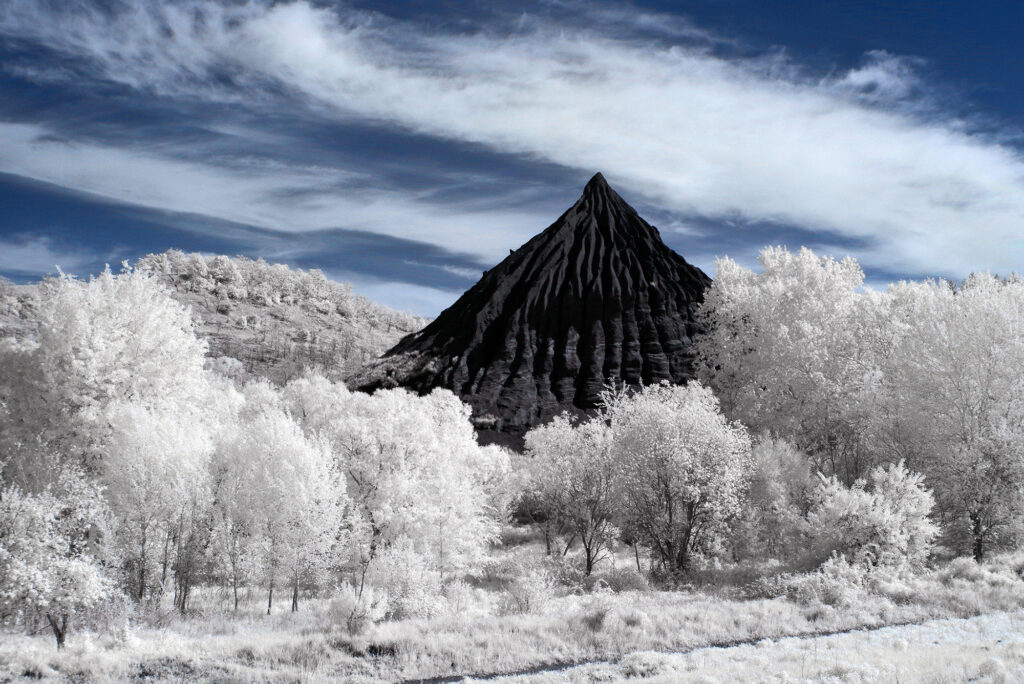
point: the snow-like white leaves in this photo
(684, 467)
(47, 561)
(414, 471)
(118, 338)
(279, 495)
(791, 350)
(885, 516)
(927, 372)
(576, 478)
(115, 340)
(957, 396)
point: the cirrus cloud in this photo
(867, 155)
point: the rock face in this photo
(596, 298)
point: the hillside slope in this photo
(259, 319)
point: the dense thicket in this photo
(833, 426)
(926, 373)
(114, 431)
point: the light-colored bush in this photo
(466, 601)
(836, 583)
(529, 593)
(47, 567)
(357, 610)
(677, 452)
(645, 664)
(769, 586)
(565, 573)
(772, 524)
(413, 587)
(883, 520)
(626, 579)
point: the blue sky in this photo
(406, 146)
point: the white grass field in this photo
(706, 633)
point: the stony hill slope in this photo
(596, 298)
(259, 319)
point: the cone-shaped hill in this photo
(596, 298)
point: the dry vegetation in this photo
(535, 617)
(147, 525)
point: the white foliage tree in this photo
(576, 476)
(684, 468)
(774, 520)
(793, 350)
(285, 492)
(413, 467)
(957, 398)
(926, 373)
(114, 383)
(154, 466)
(48, 564)
(115, 339)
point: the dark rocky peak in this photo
(595, 298)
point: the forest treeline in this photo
(831, 424)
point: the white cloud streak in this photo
(695, 133)
(281, 197)
(35, 255)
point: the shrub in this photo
(963, 569)
(528, 593)
(966, 570)
(1010, 564)
(836, 583)
(769, 587)
(626, 579)
(466, 601)
(413, 587)
(645, 664)
(895, 588)
(112, 616)
(566, 573)
(357, 611)
(884, 519)
(47, 566)
(772, 524)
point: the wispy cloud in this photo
(867, 154)
(31, 255)
(268, 195)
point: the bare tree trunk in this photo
(142, 565)
(270, 596)
(60, 629)
(978, 532)
(568, 545)
(165, 561)
(295, 592)
(636, 554)
(591, 542)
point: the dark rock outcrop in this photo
(596, 298)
